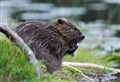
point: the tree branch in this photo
(65, 64)
(90, 65)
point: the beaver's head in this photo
(71, 33)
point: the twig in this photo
(24, 46)
(90, 65)
(79, 72)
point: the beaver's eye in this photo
(75, 29)
(60, 21)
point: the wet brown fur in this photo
(50, 41)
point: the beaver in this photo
(51, 40)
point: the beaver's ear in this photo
(60, 21)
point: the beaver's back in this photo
(30, 24)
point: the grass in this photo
(13, 63)
(85, 55)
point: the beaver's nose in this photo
(82, 36)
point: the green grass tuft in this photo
(13, 64)
(86, 56)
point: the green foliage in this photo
(84, 55)
(13, 63)
(109, 57)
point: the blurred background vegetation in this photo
(99, 20)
